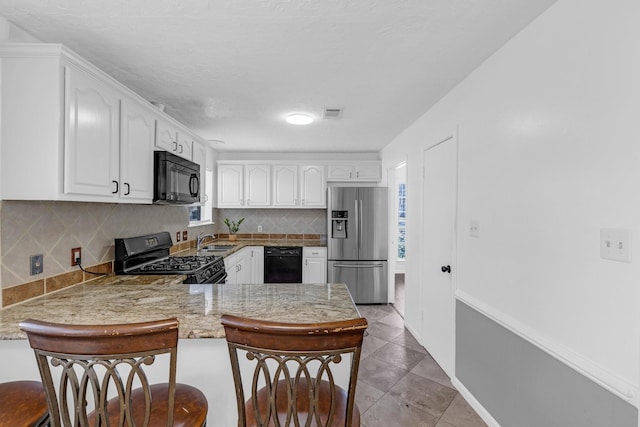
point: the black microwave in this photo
(176, 180)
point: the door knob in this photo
(446, 269)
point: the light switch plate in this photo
(615, 244)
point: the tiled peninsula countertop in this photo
(127, 299)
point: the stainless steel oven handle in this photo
(359, 266)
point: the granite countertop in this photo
(127, 299)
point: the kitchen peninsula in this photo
(203, 361)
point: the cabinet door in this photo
(314, 265)
(341, 172)
(257, 185)
(230, 186)
(137, 138)
(200, 157)
(91, 136)
(243, 270)
(185, 146)
(285, 185)
(369, 172)
(166, 136)
(313, 186)
(257, 264)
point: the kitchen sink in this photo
(218, 248)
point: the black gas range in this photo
(150, 255)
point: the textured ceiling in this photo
(232, 69)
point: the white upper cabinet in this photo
(356, 171)
(79, 134)
(313, 186)
(257, 184)
(174, 140)
(137, 137)
(185, 146)
(230, 186)
(91, 147)
(285, 186)
(299, 186)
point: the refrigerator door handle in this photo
(357, 209)
(359, 265)
(360, 223)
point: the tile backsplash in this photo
(53, 228)
(274, 221)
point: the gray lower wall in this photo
(521, 385)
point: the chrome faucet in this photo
(201, 238)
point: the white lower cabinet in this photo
(245, 266)
(314, 265)
(257, 264)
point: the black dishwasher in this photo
(282, 264)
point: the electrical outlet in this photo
(615, 244)
(37, 265)
(259, 229)
(184, 236)
(76, 254)
(177, 236)
(474, 228)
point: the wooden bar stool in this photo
(23, 403)
(84, 366)
(292, 383)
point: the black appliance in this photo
(150, 255)
(176, 180)
(282, 264)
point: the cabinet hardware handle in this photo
(117, 188)
(358, 174)
(128, 189)
(181, 149)
(175, 148)
(350, 175)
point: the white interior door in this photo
(439, 197)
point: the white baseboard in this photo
(471, 400)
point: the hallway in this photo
(399, 383)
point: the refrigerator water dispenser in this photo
(339, 224)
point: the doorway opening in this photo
(399, 232)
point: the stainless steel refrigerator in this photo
(357, 241)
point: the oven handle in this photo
(359, 265)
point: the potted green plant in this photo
(233, 227)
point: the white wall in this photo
(549, 155)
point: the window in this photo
(402, 219)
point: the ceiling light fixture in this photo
(299, 119)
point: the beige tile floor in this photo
(399, 383)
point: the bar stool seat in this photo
(23, 403)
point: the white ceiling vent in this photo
(332, 113)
